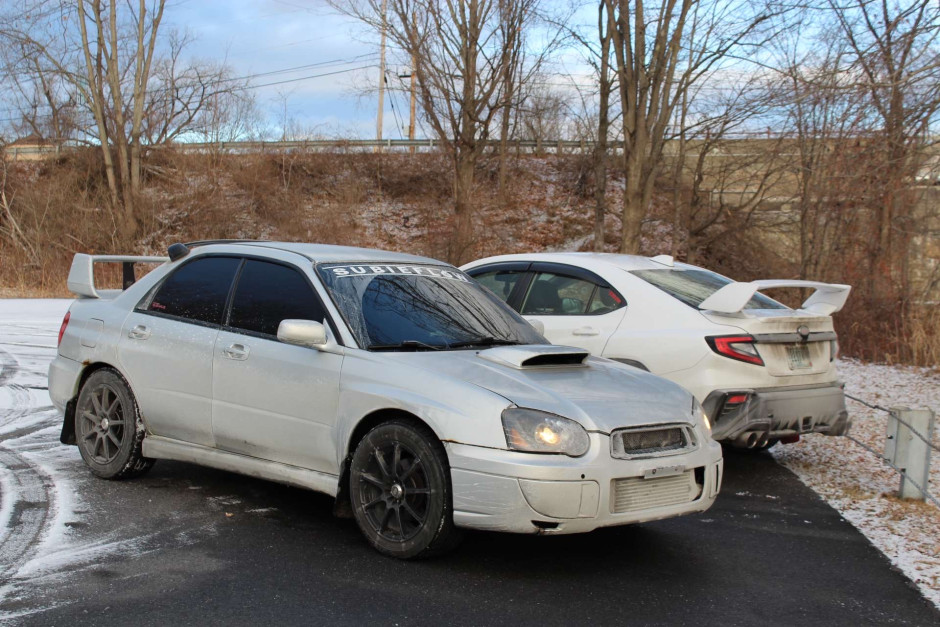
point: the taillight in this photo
(65, 323)
(739, 347)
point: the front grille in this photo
(636, 493)
(632, 443)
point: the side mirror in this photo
(537, 324)
(302, 333)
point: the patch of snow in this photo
(861, 487)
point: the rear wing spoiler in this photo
(827, 298)
(81, 280)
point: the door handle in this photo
(139, 332)
(585, 331)
(238, 352)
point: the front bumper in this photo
(780, 412)
(515, 492)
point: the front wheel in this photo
(400, 491)
(108, 428)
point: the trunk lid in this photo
(791, 342)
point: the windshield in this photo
(417, 307)
(693, 286)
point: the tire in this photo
(399, 487)
(108, 429)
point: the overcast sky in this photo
(290, 40)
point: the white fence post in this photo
(907, 451)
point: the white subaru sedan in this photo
(763, 372)
(394, 383)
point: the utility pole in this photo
(378, 123)
(411, 118)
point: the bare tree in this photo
(105, 50)
(45, 103)
(660, 51)
(195, 99)
(463, 52)
(892, 49)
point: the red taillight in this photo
(740, 347)
(65, 323)
(736, 399)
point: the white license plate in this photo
(798, 356)
(663, 471)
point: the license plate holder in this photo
(663, 471)
(798, 357)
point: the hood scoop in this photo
(535, 355)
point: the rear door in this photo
(577, 307)
(166, 348)
(272, 400)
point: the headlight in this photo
(537, 431)
(699, 412)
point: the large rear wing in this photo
(827, 298)
(81, 280)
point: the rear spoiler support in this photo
(81, 281)
(827, 298)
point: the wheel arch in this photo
(342, 507)
(68, 422)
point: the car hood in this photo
(600, 394)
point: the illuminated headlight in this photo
(699, 413)
(537, 431)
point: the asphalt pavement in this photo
(186, 545)
(216, 548)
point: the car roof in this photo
(589, 261)
(324, 252)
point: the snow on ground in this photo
(39, 502)
(861, 487)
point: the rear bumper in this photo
(64, 374)
(780, 412)
(515, 492)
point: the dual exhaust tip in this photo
(751, 439)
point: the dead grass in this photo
(394, 201)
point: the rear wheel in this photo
(108, 428)
(399, 487)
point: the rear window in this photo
(693, 286)
(197, 291)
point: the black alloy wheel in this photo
(400, 491)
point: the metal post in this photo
(381, 112)
(907, 451)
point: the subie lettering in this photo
(434, 272)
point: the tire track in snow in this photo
(26, 506)
(9, 367)
(27, 494)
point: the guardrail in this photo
(537, 146)
(908, 444)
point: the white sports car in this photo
(763, 372)
(393, 382)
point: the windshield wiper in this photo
(407, 344)
(484, 341)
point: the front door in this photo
(272, 400)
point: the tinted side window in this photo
(558, 295)
(268, 293)
(197, 290)
(500, 282)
